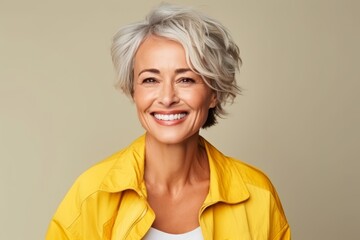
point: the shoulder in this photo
(85, 204)
(99, 181)
(91, 180)
(237, 169)
(260, 187)
(110, 172)
(239, 176)
(263, 197)
(244, 186)
(97, 192)
(252, 176)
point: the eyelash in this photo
(149, 80)
(185, 80)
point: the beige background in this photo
(298, 118)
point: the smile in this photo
(169, 117)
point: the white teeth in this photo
(169, 117)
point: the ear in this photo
(213, 100)
(132, 93)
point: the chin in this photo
(171, 137)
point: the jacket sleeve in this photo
(65, 216)
(57, 232)
(284, 234)
(279, 225)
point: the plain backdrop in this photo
(297, 120)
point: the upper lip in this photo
(168, 112)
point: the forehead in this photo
(159, 52)
(154, 41)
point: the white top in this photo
(154, 234)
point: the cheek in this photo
(199, 99)
(143, 98)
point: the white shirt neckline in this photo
(155, 234)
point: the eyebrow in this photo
(156, 71)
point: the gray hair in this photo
(209, 48)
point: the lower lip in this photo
(170, 122)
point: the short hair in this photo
(209, 48)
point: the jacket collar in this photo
(226, 183)
(128, 171)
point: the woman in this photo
(179, 68)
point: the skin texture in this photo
(176, 166)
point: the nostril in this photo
(168, 95)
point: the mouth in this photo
(169, 117)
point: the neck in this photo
(171, 166)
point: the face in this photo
(172, 101)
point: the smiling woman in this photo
(179, 67)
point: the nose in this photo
(167, 94)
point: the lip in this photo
(169, 118)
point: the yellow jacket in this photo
(108, 201)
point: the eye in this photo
(186, 80)
(149, 80)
